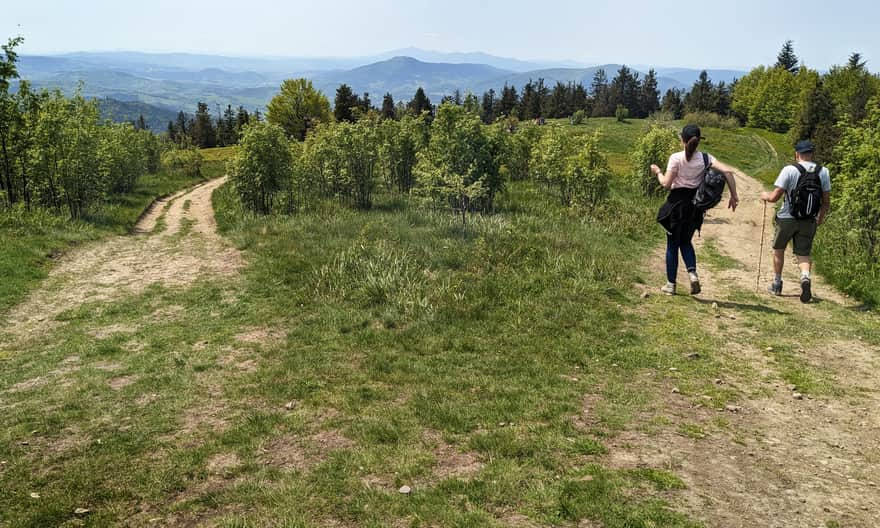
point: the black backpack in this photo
(806, 197)
(709, 192)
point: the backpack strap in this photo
(801, 169)
(705, 160)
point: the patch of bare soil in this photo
(781, 460)
(302, 452)
(262, 336)
(106, 271)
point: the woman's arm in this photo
(665, 179)
(729, 175)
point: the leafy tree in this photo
(388, 111)
(186, 161)
(344, 104)
(401, 141)
(815, 119)
(261, 167)
(573, 166)
(654, 148)
(459, 168)
(297, 108)
(851, 87)
(786, 59)
(767, 98)
(621, 113)
(853, 242)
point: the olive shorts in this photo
(799, 231)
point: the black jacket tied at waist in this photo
(678, 216)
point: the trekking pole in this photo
(761, 249)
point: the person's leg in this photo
(803, 247)
(784, 232)
(672, 248)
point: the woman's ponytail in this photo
(691, 147)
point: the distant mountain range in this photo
(177, 81)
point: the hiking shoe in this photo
(669, 289)
(775, 288)
(806, 290)
(695, 284)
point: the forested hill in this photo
(180, 81)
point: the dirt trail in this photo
(175, 244)
(781, 461)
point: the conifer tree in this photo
(599, 91)
(488, 107)
(786, 59)
(507, 105)
(388, 106)
(420, 103)
(649, 97)
(343, 104)
(204, 134)
(701, 98)
(672, 103)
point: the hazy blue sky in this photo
(707, 33)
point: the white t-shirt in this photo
(788, 179)
(687, 174)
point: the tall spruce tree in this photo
(673, 103)
(488, 106)
(599, 91)
(649, 98)
(344, 103)
(387, 106)
(204, 134)
(786, 59)
(507, 105)
(701, 98)
(420, 103)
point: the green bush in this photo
(578, 117)
(621, 113)
(849, 245)
(654, 148)
(460, 167)
(572, 166)
(183, 161)
(261, 166)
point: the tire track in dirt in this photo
(187, 249)
(782, 461)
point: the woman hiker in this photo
(684, 173)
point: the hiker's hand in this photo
(656, 170)
(733, 203)
(765, 196)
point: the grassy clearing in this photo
(488, 369)
(29, 242)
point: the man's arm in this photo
(774, 195)
(826, 207)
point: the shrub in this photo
(578, 117)
(187, 161)
(401, 141)
(460, 168)
(850, 245)
(621, 113)
(261, 166)
(661, 117)
(711, 120)
(516, 148)
(654, 148)
(571, 165)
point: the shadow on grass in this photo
(741, 306)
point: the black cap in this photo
(690, 131)
(805, 146)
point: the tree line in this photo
(202, 130)
(56, 153)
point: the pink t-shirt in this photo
(686, 174)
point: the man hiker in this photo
(806, 186)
